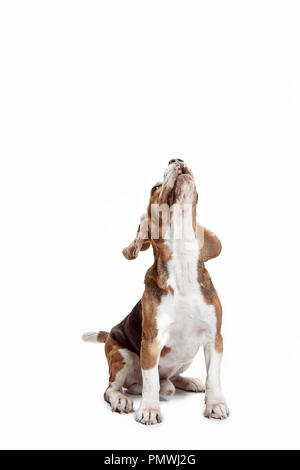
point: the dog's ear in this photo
(141, 241)
(209, 243)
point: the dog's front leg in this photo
(216, 406)
(149, 411)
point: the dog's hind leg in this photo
(188, 384)
(135, 389)
(121, 374)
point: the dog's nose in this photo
(175, 160)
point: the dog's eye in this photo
(154, 188)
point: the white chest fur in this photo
(185, 321)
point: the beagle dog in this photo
(179, 311)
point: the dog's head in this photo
(178, 186)
(178, 190)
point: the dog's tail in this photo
(95, 336)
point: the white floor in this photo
(59, 404)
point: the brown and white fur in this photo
(179, 310)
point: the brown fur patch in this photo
(102, 336)
(150, 345)
(165, 351)
(159, 271)
(209, 243)
(114, 358)
(171, 290)
(155, 287)
(149, 353)
(211, 297)
(140, 242)
(219, 343)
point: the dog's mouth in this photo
(184, 179)
(182, 170)
(179, 170)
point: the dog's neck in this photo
(177, 254)
(182, 228)
(182, 269)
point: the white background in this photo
(96, 97)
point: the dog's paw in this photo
(216, 406)
(194, 385)
(148, 413)
(119, 402)
(189, 384)
(218, 411)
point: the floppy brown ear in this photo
(141, 242)
(210, 244)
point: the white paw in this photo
(189, 384)
(120, 402)
(148, 413)
(195, 385)
(216, 406)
